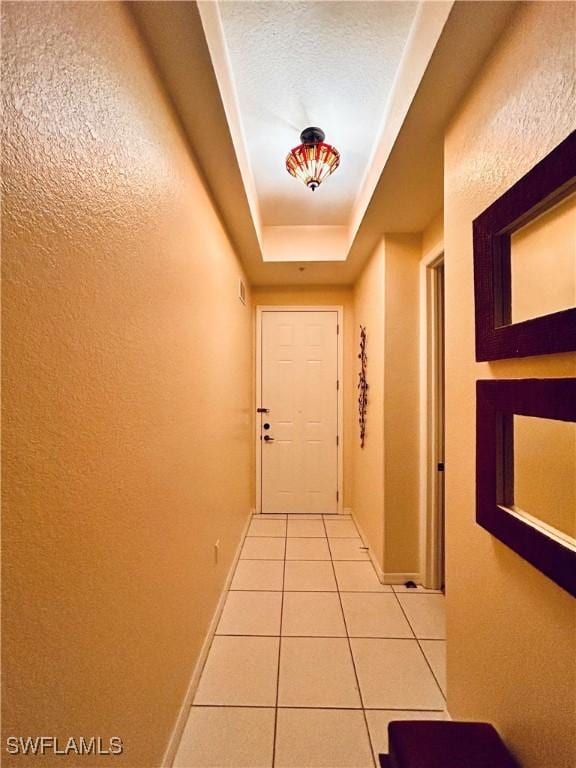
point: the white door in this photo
(299, 426)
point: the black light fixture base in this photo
(312, 135)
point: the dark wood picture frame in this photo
(550, 181)
(497, 401)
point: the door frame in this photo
(430, 561)
(260, 309)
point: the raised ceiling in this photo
(327, 64)
(402, 191)
(352, 68)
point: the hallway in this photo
(313, 656)
(262, 257)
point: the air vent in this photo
(241, 291)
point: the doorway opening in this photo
(433, 544)
(299, 409)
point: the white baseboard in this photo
(371, 554)
(384, 578)
(347, 511)
(176, 735)
(401, 578)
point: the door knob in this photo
(268, 439)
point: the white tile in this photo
(304, 516)
(307, 549)
(426, 614)
(267, 528)
(312, 614)
(358, 577)
(337, 516)
(251, 613)
(240, 671)
(317, 672)
(393, 674)
(270, 516)
(263, 548)
(435, 652)
(341, 529)
(418, 589)
(374, 615)
(322, 738)
(249, 741)
(310, 528)
(378, 720)
(348, 549)
(309, 576)
(264, 575)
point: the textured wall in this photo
(369, 298)
(511, 631)
(127, 388)
(386, 469)
(401, 406)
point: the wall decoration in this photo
(362, 386)
(497, 336)
(548, 548)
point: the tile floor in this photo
(312, 655)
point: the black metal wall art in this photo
(362, 386)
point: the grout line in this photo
(294, 537)
(352, 655)
(303, 560)
(323, 637)
(328, 637)
(418, 639)
(279, 657)
(326, 591)
(420, 647)
(310, 706)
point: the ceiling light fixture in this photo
(313, 160)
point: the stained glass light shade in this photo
(313, 160)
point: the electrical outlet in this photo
(216, 552)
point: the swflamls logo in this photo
(74, 745)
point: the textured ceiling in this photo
(295, 64)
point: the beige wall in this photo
(511, 631)
(127, 386)
(401, 401)
(430, 533)
(369, 296)
(545, 247)
(328, 296)
(386, 500)
(545, 471)
(433, 235)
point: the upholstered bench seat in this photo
(433, 744)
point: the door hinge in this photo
(337, 384)
(440, 466)
(337, 440)
(337, 329)
(337, 495)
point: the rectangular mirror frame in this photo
(551, 180)
(497, 401)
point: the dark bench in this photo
(445, 744)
